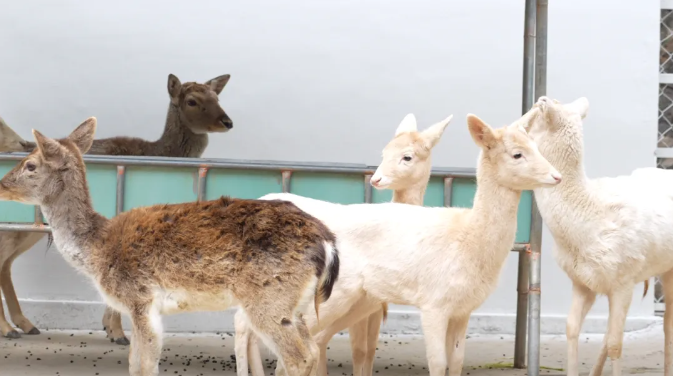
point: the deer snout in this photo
(379, 181)
(227, 122)
(556, 176)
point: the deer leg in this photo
(6, 329)
(358, 339)
(246, 349)
(435, 323)
(619, 300)
(373, 328)
(582, 301)
(12, 301)
(667, 284)
(147, 339)
(254, 357)
(112, 323)
(457, 329)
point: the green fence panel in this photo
(338, 188)
(250, 184)
(147, 186)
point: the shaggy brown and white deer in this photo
(405, 168)
(193, 112)
(445, 261)
(268, 257)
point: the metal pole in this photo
(448, 190)
(121, 177)
(368, 189)
(527, 103)
(203, 173)
(534, 293)
(287, 177)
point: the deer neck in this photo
(493, 218)
(412, 195)
(178, 140)
(75, 224)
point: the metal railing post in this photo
(368, 189)
(203, 175)
(287, 180)
(121, 179)
(448, 190)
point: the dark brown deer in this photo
(269, 257)
(193, 112)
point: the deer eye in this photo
(516, 156)
(191, 103)
(30, 166)
(407, 158)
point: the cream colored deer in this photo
(193, 112)
(269, 257)
(445, 261)
(609, 233)
(405, 168)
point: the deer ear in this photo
(218, 83)
(481, 132)
(83, 135)
(435, 131)
(49, 148)
(174, 88)
(408, 124)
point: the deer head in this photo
(406, 159)
(510, 156)
(51, 167)
(198, 104)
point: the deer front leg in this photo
(582, 301)
(358, 338)
(435, 323)
(147, 339)
(456, 332)
(112, 323)
(373, 328)
(245, 348)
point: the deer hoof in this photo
(123, 341)
(13, 334)
(34, 331)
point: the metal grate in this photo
(665, 126)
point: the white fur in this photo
(610, 233)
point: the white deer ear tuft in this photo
(408, 124)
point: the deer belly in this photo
(179, 301)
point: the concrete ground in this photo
(80, 353)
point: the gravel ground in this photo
(80, 353)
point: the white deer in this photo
(609, 233)
(445, 261)
(405, 168)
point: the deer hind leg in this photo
(112, 323)
(12, 301)
(582, 301)
(6, 329)
(619, 301)
(667, 284)
(147, 341)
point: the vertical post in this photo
(121, 177)
(38, 216)
(368, 189)
(287, 177)
(203, 173)
(527, 102)
(448, 190)
(534, 292)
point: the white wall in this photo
(325, 81)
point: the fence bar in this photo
(287, 180)
(203, 175)
(448, 190)
(526, 104)
(534, 292)
(368, 189)
(121, 184)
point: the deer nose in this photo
(227, 123)
(556, 177)
(375, 180)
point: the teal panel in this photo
(14, 211)
(147, 186)
(249, 184)
(381, 195)
(523, 217)
(338, 188)
(102, 181)
(463, 196)
(434, 194)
